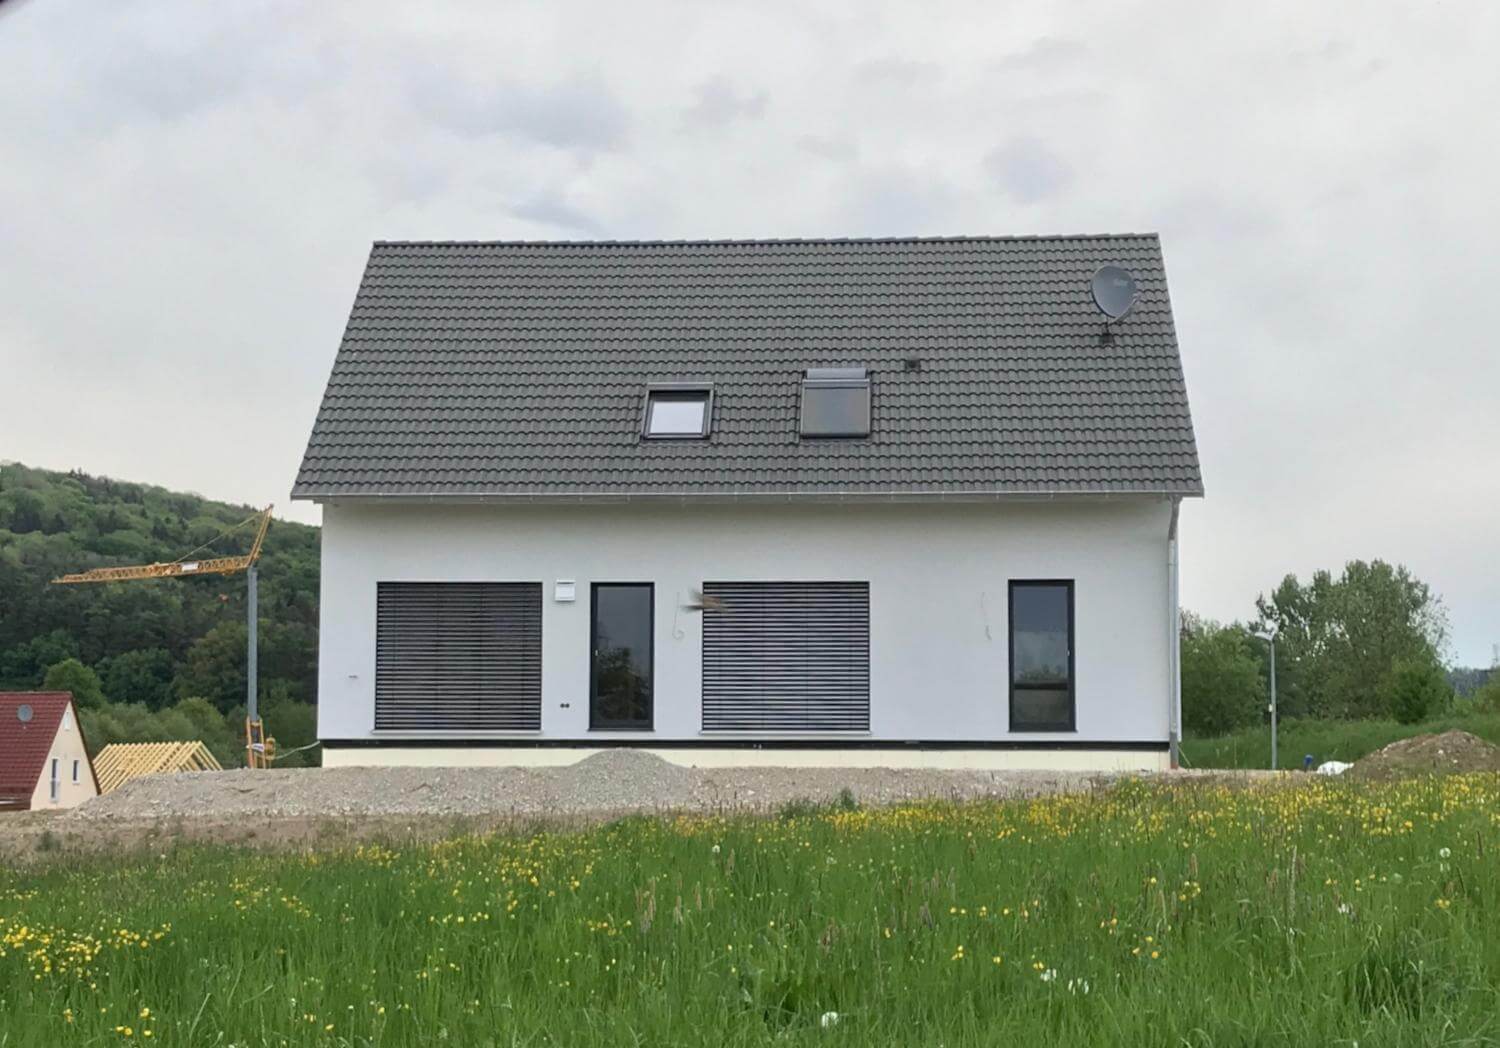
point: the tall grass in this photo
(1320, 914)
(1325, 740)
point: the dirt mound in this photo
(1450, 753)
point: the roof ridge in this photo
(752, 241)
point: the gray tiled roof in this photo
(519, 369)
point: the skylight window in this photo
(681, 412)
(836, 402)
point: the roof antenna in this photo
(1116, 294)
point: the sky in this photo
(188, 193)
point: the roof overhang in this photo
(727, 497)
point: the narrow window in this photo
(56, 781)
(836, 403)
(620, 672)
(677, 411)
(75, 771)
(1041, 656)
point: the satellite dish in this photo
(1115, 291)
(23, 713)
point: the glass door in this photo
(620, 675)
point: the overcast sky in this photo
(188, 192)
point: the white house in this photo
(837, 501)
(44, 762)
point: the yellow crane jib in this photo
(260, 749)
(185, 566)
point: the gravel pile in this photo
(607, 783)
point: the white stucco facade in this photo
(938, 575)
(75, 776)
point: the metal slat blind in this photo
(786, 656)
(458, 655)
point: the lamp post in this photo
(1270, 638)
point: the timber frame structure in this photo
(120, 762)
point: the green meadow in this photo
(1318, 912)
(1325, 740)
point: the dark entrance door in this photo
(621, 673)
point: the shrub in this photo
(1417, 689)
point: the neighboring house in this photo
(838, 501)
(43, 760)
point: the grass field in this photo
(1322, 913)
(1326, 740)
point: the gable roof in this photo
(24, 745)
(494, 370)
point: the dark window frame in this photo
(1070, 689)
(836, 378)
(594, 723)
(678, 391)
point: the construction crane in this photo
(260, 750)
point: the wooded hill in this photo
(155, 644)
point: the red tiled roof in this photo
(24, 745)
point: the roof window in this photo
(677, 411)
(836, 402)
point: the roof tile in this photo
(519, 369)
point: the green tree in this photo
(70, 675)
(1486, 697)
(24, 665)
(1417, 688)
(1222, 687)
(215, 667)
(1339, 638)
(143, 676)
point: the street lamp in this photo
(1270, 638)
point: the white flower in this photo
(716, 849)
(1078, 986)
(829, 1019)
(1049, 975)
(1444, 853)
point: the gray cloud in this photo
(1028, 170)
(580, 113)
(553, 211)
(898, 202)
(897, 72)
(829, 148)
(719, 103)
(1045, 54)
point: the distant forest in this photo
(154, 658)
